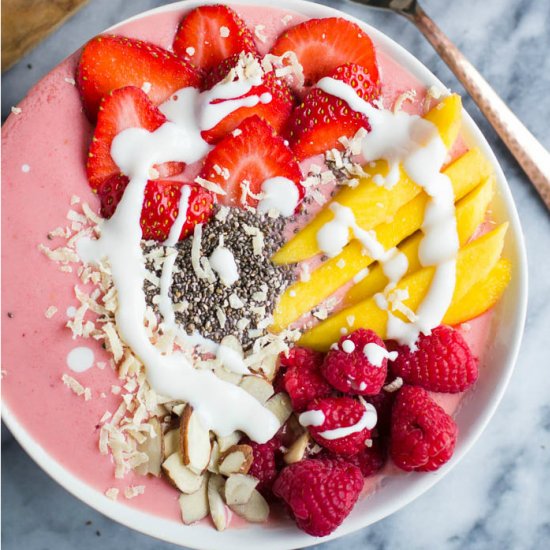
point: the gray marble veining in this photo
(498, 497)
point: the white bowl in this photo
(506, 332)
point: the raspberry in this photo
(302, 379)
(342, 412)
(443, 362)
(423, 435)
(383, 403)
(369, 460)
(319, 493)
(264, 465)
(353, 367)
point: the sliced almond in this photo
(258, 387)
(227, 441)
(170, 405)
(270, 366)
(226, 376)
(236, 460)
(194, 507)
(214, 457)
(218, 511)
(239, 488)
(180, 475)
(280, 406)
(153, 448)
(171, 441)
(194, 441)
(297, 450)
(256, 510)
(178, 409)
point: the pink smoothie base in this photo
(51, 137)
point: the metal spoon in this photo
(527, 150)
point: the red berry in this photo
(319, 122)
(370, 460)
(383, 403)
(255, 154)
(209, 34)
(264, 465)
(342, 412)
(348, 367)
(423, 435)
(302, 378)
(127, 107)
(276, 111)
(321, 45)
(109, 62)
(442, 362)
(160, 205)
(320, 494)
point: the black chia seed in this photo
(257, 274)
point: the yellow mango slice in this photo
(366, 198)
(482, 296)
(470, 212)
(299, 298)
(474, 263)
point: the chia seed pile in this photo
(243, 309)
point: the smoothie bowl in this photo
(263, 277)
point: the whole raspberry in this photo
(443, 362)
(302, 378)
(369, 460)
(358, 365)
(320, 494)
(423, 435)
(346, 424)
(264, 464)
(383, 403)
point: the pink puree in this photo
(51, 136)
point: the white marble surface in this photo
(498, 497)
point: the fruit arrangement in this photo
(297, 300)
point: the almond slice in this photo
(227, 441)
(256, 510)
(194, 441)
(239, 488)
(194, 507)
(236, 460)
(153, 447)
(270, 366)
(214, 457)
(297, 450)
(280, 406)
(218, 511)
(180, 475)
(226, 376)
(257, 387)
(171, 440)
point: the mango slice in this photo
(470, 212)
(299, 298)
(474, 263)
(373, 204)
(482, 296)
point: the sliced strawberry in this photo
(254, 154)
(321, 45)
(109, 62)
(124, 108)
(209, 34)
(160, 205)
(321, 119)
(276, 111)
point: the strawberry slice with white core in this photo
(268, 96)
(321, 120)
(127, 107)
(209, 34)
(321, 45)
(109, 62)
(246, 158)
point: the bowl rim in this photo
(204, 537)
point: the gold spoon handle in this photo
(528, 151)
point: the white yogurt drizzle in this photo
(223, 407)
(177, 226)
(223, 263)
(376, 354)
(414, 142)
(311, 418)
(280, 194)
